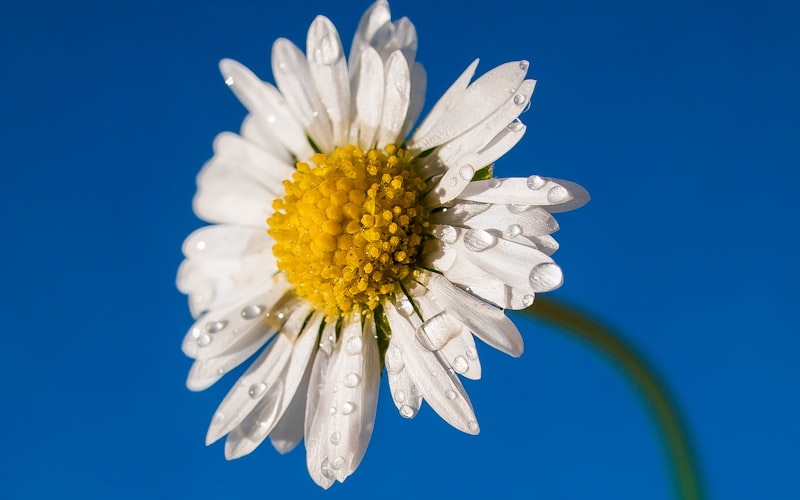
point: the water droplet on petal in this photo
(332, 411)
(535, 182)
(228, 81)
(515, 126)
(513, 230)
(351, 380)
(494, 182)
(518, 208)
(201, 245)
(557, 194)
(460, 364)
(407, 411)
(195, 332)
(452, 181)
(257, 390)
(523, 65)
(472, 425)
(527, 300)
(448, 234)
(479, 240)
(252, 312)
(335, 438)
(337, 463)
(451, 395)
(220, 371)
(519, 99)
(216, 326)
(354, 345)
(394, 360)
(405, 307)
(203, 340)
(545, 277)
(348, 408)
(466, 172)
(399, 396)
(325, 468)
(471, 354)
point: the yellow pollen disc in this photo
(349, 227)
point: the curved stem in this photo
(624, 356)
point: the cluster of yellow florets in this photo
(348, 228)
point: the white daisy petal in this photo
(404, 39)
(369, 99)
(319, 370)
(215, 332)
(259, 378)
(419, 82)
(554, 194)
(293, 77)
(223, 241)
(453, 182)
(480, 100)
(257, 131)
(345, 414)
(267, 105)
(511, 220)
(230, 197)
(234, 152)
(395, 99)
(435, 380)
(442, 332)
(375, 19)
(206, 372)
(484, 132)
(502, 143)
(263, 418)
(329, 72)
(289, 430)
(486, 321)
(448, 100)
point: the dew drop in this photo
(466, 172)
(252, 312)
(471, 354)
(394, 360)
(523, 65)
(216, 326)
(460, 364)
(220, 371)
(257, 390)
(332, 411)
(228, 81)
(452, 181)
(335, 438)
(479, 240)
(448, 234)
(494, 183)
(325, 468)
(195, 332)
(518, 208)
(407, 411)
(201, 245)
(527, 300)
(513, 230)
(405, 307)
(203, 340)
(515, 126)
(451, 395)
(354, 345)
(472, 425)
(351, 380)
(557, 194)
(535, 182)
(348, 408)
(545, 277)
(519, 99)
(399, 396)
(337, 463)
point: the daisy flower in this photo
(341, 247)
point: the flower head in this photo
(340, 247)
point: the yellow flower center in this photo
(349, 227)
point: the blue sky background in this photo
(680, 117)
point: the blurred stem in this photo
(633, 364)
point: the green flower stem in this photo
(653, 390)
